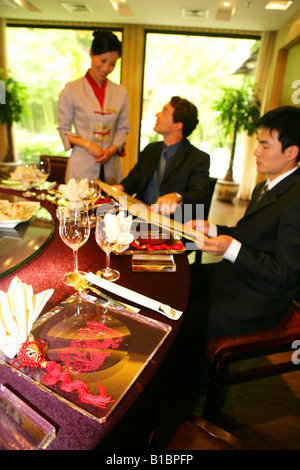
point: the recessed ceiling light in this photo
(278, 4)
(76, 7)
(226, 10)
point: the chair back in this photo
(58, 168)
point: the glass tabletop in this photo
(20, 244)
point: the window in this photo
(44, 59)
(194, 67)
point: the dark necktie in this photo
(262, 192)
(162, 166)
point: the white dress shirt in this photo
(235, 245)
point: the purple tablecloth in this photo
(75, 430)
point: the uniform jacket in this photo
(78, 106)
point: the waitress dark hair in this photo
(105, 41)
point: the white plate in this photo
(7, 221)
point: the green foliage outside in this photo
(11, 111)
(43, 60)
(195, 67)
(239, 109)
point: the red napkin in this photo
(152, 245)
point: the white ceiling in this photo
(249, 15)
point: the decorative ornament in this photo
(31, 354)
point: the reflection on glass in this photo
(74, 230)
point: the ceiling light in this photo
(26, 4)
(226, 10)
(76, 7)
(278, 4)
(195, 13)
(122, 7)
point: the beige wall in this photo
(287, 36)
(290, 91)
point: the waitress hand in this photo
(93, 149)
(104, 155)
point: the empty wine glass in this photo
(88, 192)
(93, 217)
(44, 169)
(107, 238)
(43, 173)
(74, 230)
(28, 178)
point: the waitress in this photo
(99, 110)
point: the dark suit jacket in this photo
(255, 290)
(187, 174)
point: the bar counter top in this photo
(75, 431)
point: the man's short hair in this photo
(285, 120)
(186, 113)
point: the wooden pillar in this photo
(133, 44)
(3, 66)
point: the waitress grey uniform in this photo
(105, 125)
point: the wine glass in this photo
(44, 169)
(43, 172)
(28, 178)
(88, 191)
(97, 194)
(107, 238)
(74, 230)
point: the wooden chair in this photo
(226, 350)
(58, 168)
(200, 434)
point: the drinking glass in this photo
(44, 169)
(43, 172)
(107, 243)
(29, 178)
(88, 191)
(74, 230)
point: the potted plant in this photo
(11, 109)
(239, 110)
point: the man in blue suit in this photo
(171, 173)
(259, 275)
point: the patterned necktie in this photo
(262, 192)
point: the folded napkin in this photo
(70, 191)
(118, 229)
(134, 296)
(25, 173)
(19, 309)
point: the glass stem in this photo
(107, 261)
(75, 252)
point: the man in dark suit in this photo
(171, 173)
(259, 275)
